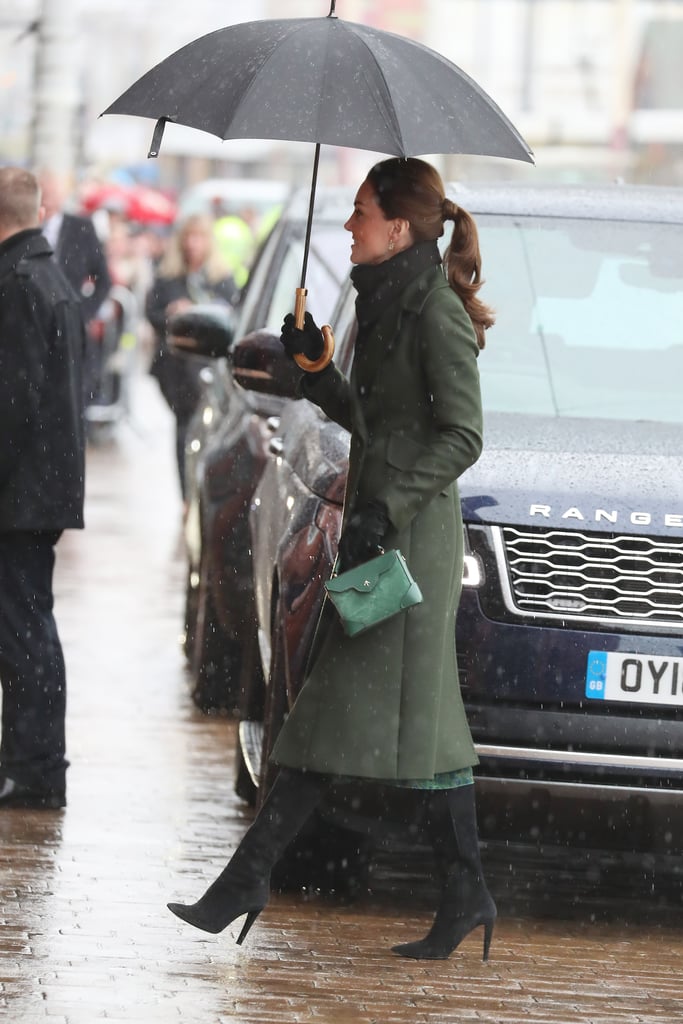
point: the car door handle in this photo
(276, 446)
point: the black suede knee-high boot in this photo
(465, 899)
(243, 887)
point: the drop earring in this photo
(390, 247)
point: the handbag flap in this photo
(363, 578)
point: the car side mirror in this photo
(259, 363)
(205, 330)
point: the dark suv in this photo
(570, 628)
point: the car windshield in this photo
(589, 317)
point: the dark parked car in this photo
(228, 440)
(570, 629)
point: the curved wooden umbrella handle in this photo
(302, 361)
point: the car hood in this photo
(602, 475)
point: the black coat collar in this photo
(23, 245)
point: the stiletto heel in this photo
(251, 917)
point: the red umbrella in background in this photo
(150, 206)
(138, 203)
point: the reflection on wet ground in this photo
(85, 932)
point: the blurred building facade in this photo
(596, 86)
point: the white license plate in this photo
(634, 678)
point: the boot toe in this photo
(191, 915)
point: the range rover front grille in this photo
(591, 577)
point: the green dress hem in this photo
(442, 780)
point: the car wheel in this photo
(324, 856)
(250, 738)
(245, 787)
(191, 604)
(215, 661)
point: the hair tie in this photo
(449, 210)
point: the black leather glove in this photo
(308, 341)
(363, 535)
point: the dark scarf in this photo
(379, 284)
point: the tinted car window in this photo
(328, 265)
(589, 318)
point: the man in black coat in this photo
(78, 252)
(42, 465)
(76, 246)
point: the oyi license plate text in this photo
(634, 678)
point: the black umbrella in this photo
(326, 81)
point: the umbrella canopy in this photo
(326, 81)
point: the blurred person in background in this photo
(79, 253)
(131, 249)
(42, 466)
(191, 271)
(236, 241)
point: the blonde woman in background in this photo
(191, 271)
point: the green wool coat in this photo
(386, 704)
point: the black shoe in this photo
(13, 794)
(243, 886)
(465, 901)
(224, 901)
(450, 927)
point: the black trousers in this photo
(32, 750)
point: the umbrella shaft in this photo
(311, 204)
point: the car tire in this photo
(191, 604)
(244, 784)
(215, 661)
(252, 696)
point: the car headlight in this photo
(472, 571)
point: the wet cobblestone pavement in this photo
(85, 932)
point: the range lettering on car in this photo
(671, 520)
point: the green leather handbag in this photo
(373, 592)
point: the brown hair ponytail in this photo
(462, 263)
(412, 189)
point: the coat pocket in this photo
(403, 452)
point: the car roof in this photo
(595, 202)
(613, 202)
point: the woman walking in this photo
(385, 705)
